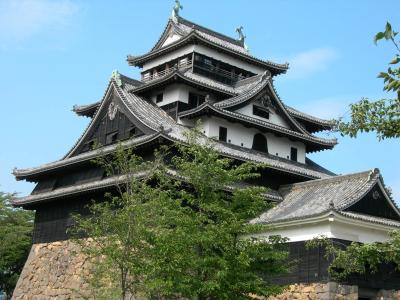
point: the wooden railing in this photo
(156, 75)
(218, 71)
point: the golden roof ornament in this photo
(175, 11)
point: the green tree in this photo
(381, 116)
(16, 240)
(119, 228)
(181, 228)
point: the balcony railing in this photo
(156, 75)
(218, 71)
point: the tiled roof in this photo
(187, 26)
(188, 30)
(328, 124)
(156, 119)
(242, 91)
(109, 182)
(86, 156)
(369, 218)
(189, 76)
(312, 198)
(206, 107)
(87, 110)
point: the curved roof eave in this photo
(207, 106)
(140, 60)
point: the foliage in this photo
(16, 239)
(119, 228)
(222, 264)
(381, 116)
(359, 258)
(181, 229)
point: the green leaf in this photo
(378, 36)
(388, 31)
(395, 60)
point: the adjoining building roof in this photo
(190, 32)
(317, 197)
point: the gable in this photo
(112, 123)
(265, 101)
(375, 203)
(265, 111)
(172, 37)
(110, 130)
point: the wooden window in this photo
(260, 112)
(159, 98)
(111, 138)
(223, 133)
(195, 100)
(293, 154)
(260, 143)
(192, 102)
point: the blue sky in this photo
(57, 53)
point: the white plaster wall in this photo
(273, 116)
(177, 92)
(172, 93)
(329, 229)
(171, 39)
(239, 135)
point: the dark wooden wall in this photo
(312, 266)
(376, 206)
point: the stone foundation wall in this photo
(329, 291)
(53, 271)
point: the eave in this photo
(313, 143)
(178, 76)
(371, 222)
(193, 38)
(312, 123)
(23, 174)
(86, 110)
(107, 183)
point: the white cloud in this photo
(21, 20)
(310, 62)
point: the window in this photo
(111, 138)
(195, 100)
(260, 111)
(159, 98)
(192, 102)
(223, 132)
(293, 154)
(260, 143)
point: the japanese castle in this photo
(194, 74)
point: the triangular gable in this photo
(170, 30)
(111, 122)
(376, 203)
(263, 93)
